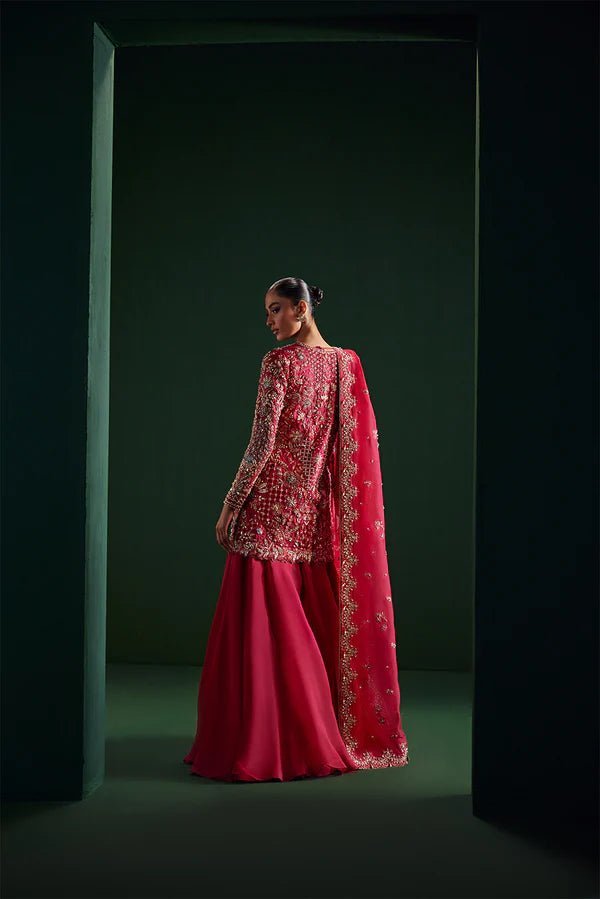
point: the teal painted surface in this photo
(98, 414)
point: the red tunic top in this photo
(282, 492)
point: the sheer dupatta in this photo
(369, 716)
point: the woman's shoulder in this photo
(276, 360)
(275, 354)
(350, 352)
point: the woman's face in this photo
(281, 315)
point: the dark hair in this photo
(296, 289)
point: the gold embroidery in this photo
(282, 493)
(269, 403)
(348, 491)
(383, 622)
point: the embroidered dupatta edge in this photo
(369, 719)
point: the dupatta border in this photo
(348, 467)
(347, 491)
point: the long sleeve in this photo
(269, 403)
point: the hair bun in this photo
(316, 294)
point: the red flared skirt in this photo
(267, 697)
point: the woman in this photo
(300, 675)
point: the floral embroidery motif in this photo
(378, 712)
(387, 756)
(269, 404)
(282, 492)
(383, 622)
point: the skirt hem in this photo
(240, 775)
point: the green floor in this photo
(152, 830)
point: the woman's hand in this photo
(222, 526)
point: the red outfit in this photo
(300, 674)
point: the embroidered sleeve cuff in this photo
(235, 502)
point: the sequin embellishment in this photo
(282, 492)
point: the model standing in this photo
(300, 675)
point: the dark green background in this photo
(351, 165)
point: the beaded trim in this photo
(307, 346)
(347, 469)
(347, 651)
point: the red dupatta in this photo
(368, 690)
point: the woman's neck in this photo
(310, 335)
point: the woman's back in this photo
(283, 489)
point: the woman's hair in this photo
(295, 289)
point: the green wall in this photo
(352, 165)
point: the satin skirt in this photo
(267, 697)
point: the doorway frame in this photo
(108, 36)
